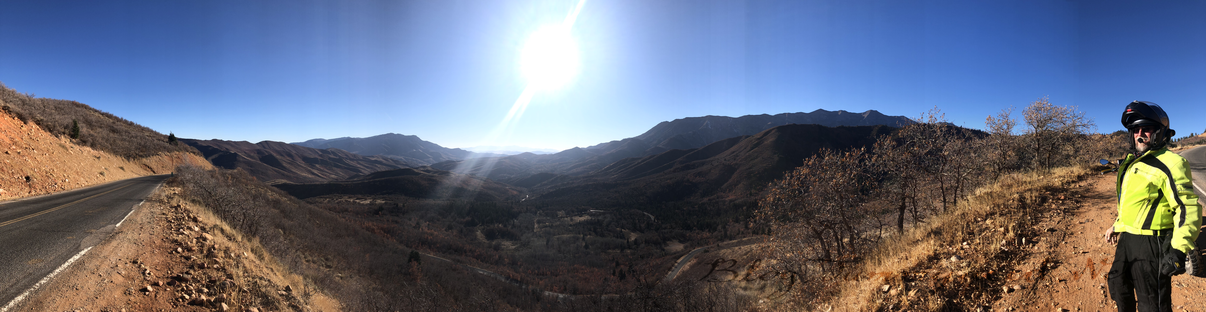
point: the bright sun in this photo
(550, 58)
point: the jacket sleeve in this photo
(1123, 165)
(1187, 218)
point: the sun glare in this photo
(550, 58)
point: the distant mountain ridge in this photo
(407, 148)
(685, 133)
(696, 132)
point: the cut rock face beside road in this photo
(172, 256)
(35, 162)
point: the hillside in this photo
(276, 162)
(406, 148)
(98, 130)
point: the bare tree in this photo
(1054, 132)
(818, 219)
(1004, 155)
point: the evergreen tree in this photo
(75, 129)
(414, 257)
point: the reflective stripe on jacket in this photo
(1155, 193)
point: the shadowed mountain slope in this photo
(731, 169)
(281, 162)
(407, 148)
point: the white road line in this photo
(13, 303)
(1195, 186)
(123, 219)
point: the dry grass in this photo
(1192, 141)
(983, 233)
(262, 269)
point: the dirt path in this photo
(1076, 258)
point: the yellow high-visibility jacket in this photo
(1155, 193)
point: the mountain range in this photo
(685, 133)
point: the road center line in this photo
(9, 222)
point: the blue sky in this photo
(448, 70)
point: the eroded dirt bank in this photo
(35, 162)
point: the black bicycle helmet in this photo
(1144, 113)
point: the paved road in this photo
(1197, 163)
(40, 234)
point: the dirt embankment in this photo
(35, 162)
(1077, 257)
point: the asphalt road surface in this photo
(1197, 163)
(39, 235)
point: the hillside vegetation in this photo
(88, 126)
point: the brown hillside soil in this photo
(35, 162)
(1077, 257)
(170, 255)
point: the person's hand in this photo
(1111, 236)
(1173, 263)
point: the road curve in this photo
(40, 234)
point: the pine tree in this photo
(75, 129)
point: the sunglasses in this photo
(1148, 129)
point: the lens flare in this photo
(549, 61)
